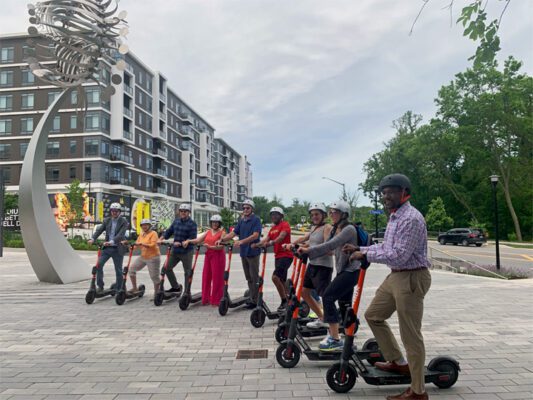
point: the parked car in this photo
(464, 236)
(381, 234)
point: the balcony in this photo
(162, 134)
(127, 135)
(129, 68)
(186, 117)
(121, 158)
(120, 181)
(160, 172)
(163, 96)
(128, 113)
(162, 116)
(128, 89)
(159, 152)
(160, 190)
(241, 189)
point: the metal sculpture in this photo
(79, 35)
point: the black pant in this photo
(341, 289)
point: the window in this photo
(105, 148)
(73, 122)
(56, 124)
(5, 151)
(106, 173)
(149, 143)
(93, 97)
(92, 122)
(52, 149)
(88, 172)
(26, 125)
(6, 78)
(73, 146)
(6, 172)
(149, 164)
(140, 180)
(5, 126)
(52, 173)
(52, 96)
(74, 97)
(72, 171)
(91, 147)
(6, 102)
(106, 123)
(23, 148)
(7, 55)
(27, 77)
(28, 100)
(149, 183)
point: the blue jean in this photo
(341, 289)
(107, 253)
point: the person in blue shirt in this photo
(248, 230)
(183, 228)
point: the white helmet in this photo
(146, 221)
(248, 202)
(115, 206)
(340, 205)
(215, 218)
(185, 206)
(277, 210)
(319, 207)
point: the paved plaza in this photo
(54, 346)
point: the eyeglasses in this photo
(247, 208)
(115, 210)
(315, 214)
(333, 211)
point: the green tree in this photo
(11, 201)
(436, 217)
(228, 218)
(75, 199)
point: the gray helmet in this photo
(398, 180)
(319, 207)
(215, 218)
(185, 206)
(249, 202)
(341, 205)
(277, 210)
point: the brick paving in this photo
(54, 346)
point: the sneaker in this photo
(312, 315)
(331, 345)
(326, 339)
(99, 290)
(250, 306)
(282, 306)
(317, 324)
(173, 290)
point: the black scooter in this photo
(258, 315)
(442, 371)
(122, 294)
(186, 298)
(161, 295)
(226, 302)
(92, 293)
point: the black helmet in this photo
(399, 180)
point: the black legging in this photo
(341, 289)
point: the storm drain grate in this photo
(251, 354)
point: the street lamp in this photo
(376, 193)
(89, 198)
(344, 197)
(494, 182)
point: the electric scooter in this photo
(226, 302)
(186, 299)
(122, 294)
(161, 294)
(442, 371)
(258, 315)
(289, 351)
(92, 293)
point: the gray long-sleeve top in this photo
(335, 244)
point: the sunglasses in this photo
(247, 208)
(184, 211)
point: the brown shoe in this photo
(391, 366)
(409, 395)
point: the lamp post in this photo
(494, 182)
(89, 198)
(376, 192)
(344, 197)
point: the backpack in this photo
(363, 238)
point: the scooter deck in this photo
(376, 376)
(239, 301)
(317, 355)
(195, 298)
(107, 292)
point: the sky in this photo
(306, 89)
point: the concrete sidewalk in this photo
(54, 346)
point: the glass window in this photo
(105, 148)
(7, 55)
(73, 145)
(106, 173)
(88, 172)
(91, 147)
(52, 149)
(52, 173)
(149, 164)
(26, 125)
(6, 78)
(6, 171)
(149, 143)
(73, 122)
(149, 182)
(72, 171)
(27, 77)
(52, 96)
(28, 100)
(5, 126)
(56, 124)
(6, 102)
(92, 122)
(93, 96)
(106, 123)
(74, 97)
(5, 151)
(23, 148)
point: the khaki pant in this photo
(404, 293)
(153, 267)
(250, 265)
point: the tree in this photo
(436, 217)
(228, 218)
(11, 201)
(75, 196)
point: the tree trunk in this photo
(505, 185)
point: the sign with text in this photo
(11, 219)
(376, 212)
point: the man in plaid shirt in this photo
(404, 251)
(183, 228)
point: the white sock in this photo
(401, 361)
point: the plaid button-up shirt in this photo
(182, 230)
(405, 242)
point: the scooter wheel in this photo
(142, 289)
(450, 373)
(247, 293)
(304, 310)
(282, 333)
(184, 302)
(90, 296)
(120, 297)
(341, 379)
(158, 298)
(257, 318)
(223, 307)
(288, 358)
(373, 346)
(112, 288)
(281, 319)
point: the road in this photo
(486, 255)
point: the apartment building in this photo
(144, 146)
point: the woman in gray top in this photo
(341, 288)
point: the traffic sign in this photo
(376, 212)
